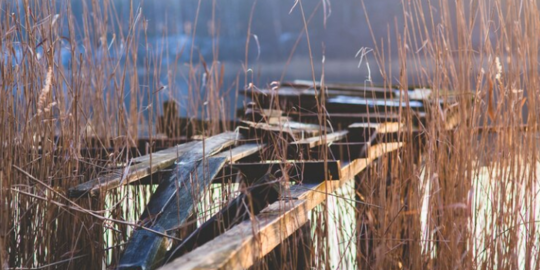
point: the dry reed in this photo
(470, 201)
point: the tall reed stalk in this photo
(476, 190)
(71, 81)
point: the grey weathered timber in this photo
(305, 89)
(146, 165)
(251, 201)
(241, 246)
(314, 147)
(291, 131)
(342, 120)
(173, 203)
(322, 139)
(347, 89)
(347, 104)
(240, 152)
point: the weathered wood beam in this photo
(169, 207)
(306, 88)
(249, 241)
(314, 147)
(322, 139)
(232, 155)
(374, 132)
(289, 131)
(351, 88)
(173, 203)
(342, 120)
(256, 114)
(309, 94)
(250, 202)
(240, 152)
(143, 166)
(347, 104)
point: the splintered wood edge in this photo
(248, 241)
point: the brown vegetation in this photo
(469, 201)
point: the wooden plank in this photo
(288, 126)
(314, 147)
(375, 132)
(240, 152)
(268, 116)
(290, 131)
(169, 207)
(299, 87)
(347, 104)
(173, 203)
(322, 139)
(233, 155)
(241, 246)
(342, 89)
(337, 103)
(308, 94)
(341, 120)
(338, 86)
(258, 195)
(146, 165)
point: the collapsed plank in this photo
(250, 202)
(146, 165)
(241, 246)
(172, 204)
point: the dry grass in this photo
(71, 82)
(476, 191)
(470, 201)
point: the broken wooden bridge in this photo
(293, 145)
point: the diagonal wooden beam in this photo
(251, 201)
(172, 204)
(249, 241)
(146, 165)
